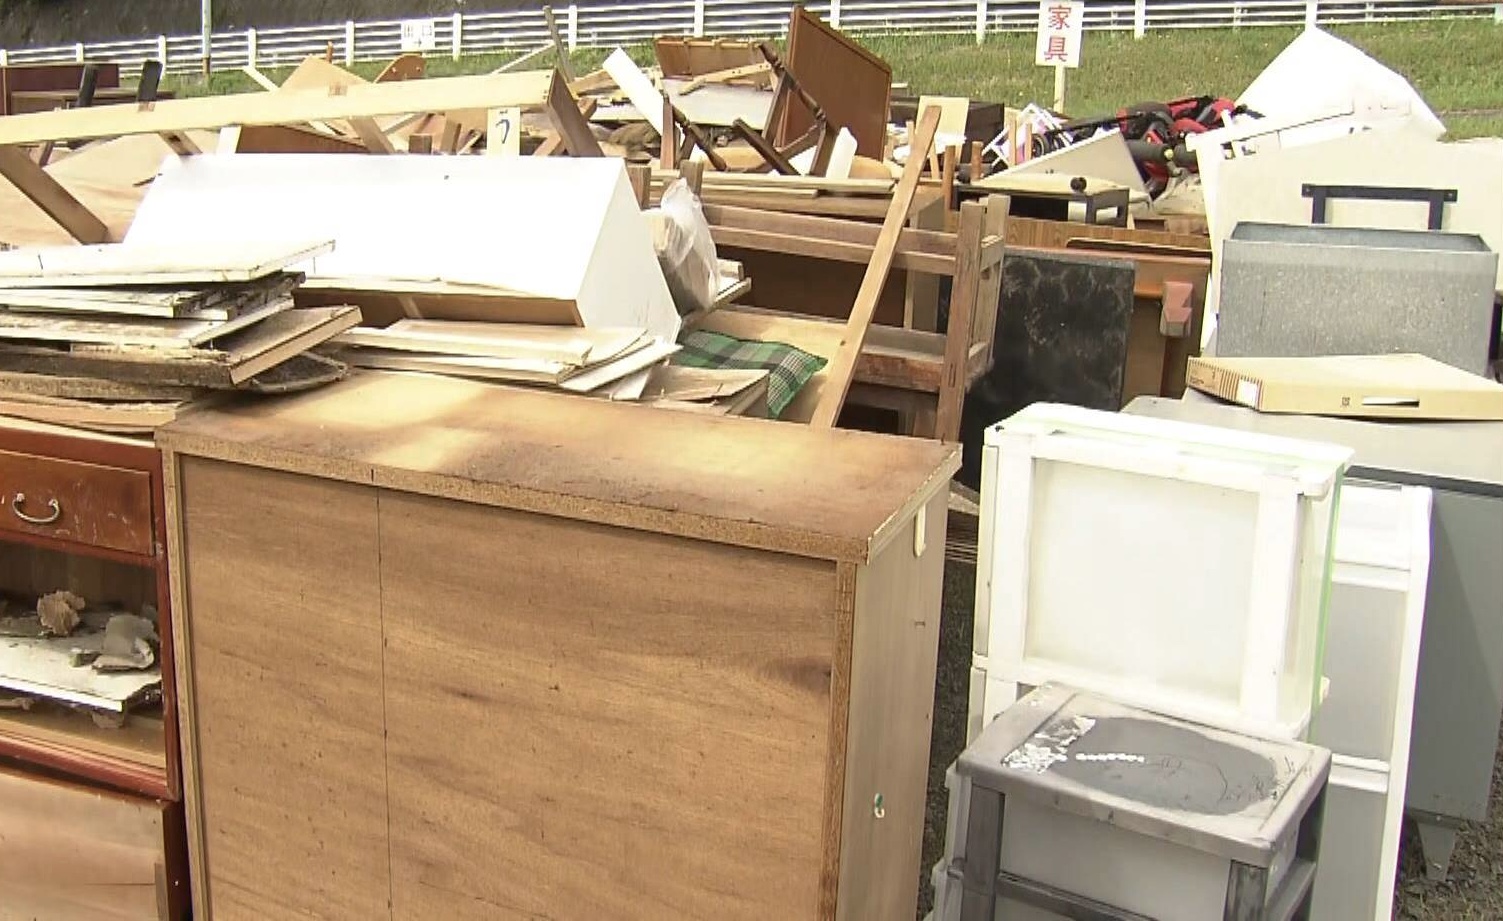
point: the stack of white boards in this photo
(120, 338)
(608, 361)
(618, 363)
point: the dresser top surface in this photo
(776, 486)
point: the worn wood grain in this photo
(667, 734)
(894, 650)
(843, 365)
(88, 388)
(286, 685)
(76, 854)
(236, 358)
(95, 504)
(48, 194)
(286, 106)
(724, 480)
(851, 84)
(1025, 231)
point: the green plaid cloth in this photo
(789, 369)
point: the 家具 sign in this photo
(1060, 28)
(419, 35)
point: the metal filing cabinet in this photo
(1459, 697)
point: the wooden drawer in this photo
(72, 853)
(68, 500)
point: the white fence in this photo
(639, 22)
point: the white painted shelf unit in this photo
(1176, 567)
(1379, 582)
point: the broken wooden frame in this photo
(922, 375)
(536, 90)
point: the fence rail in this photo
(638, 22)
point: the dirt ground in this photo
(1473, 891)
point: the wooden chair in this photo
(921, 374)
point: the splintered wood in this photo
(121, 338)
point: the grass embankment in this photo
(1456, 65)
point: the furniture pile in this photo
(355, 431)
(121, 338)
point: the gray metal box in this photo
(1291, 290)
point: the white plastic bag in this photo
(685, 249)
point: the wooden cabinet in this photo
(459, 651)
(91, 820)
(75, 853)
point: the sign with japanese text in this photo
(1060, 28)
(419, 35)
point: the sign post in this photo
(1061, 24)
(419, 35)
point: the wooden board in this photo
(236, 359)
(317, 626)
(76, 854)
(719, 691)
(520, 447)
(88, 388)
(213, 302)
(842, 368)
(132, 331)
(527, 88)
(682, 56)
(566, 344)
(125, 418)
(894, 650)
(851, 84)
(1372, 386)
(144, 264)
(1025, 231)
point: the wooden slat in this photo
(964, 302)
(842, 369)
(832, 250)
(527, 89)
(49, 195)
(567, 119)
(371, 135)
(910, 240)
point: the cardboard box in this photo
(1374, 386)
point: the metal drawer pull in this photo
(20, 500)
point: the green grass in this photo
(1457, 66)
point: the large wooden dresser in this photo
(449, 650)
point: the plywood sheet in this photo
(894, 651)
(712, 478)
(671, 733)
(316, 626)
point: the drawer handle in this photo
(20, 500)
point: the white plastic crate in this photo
(1177, 567)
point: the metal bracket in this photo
(1320, 194)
